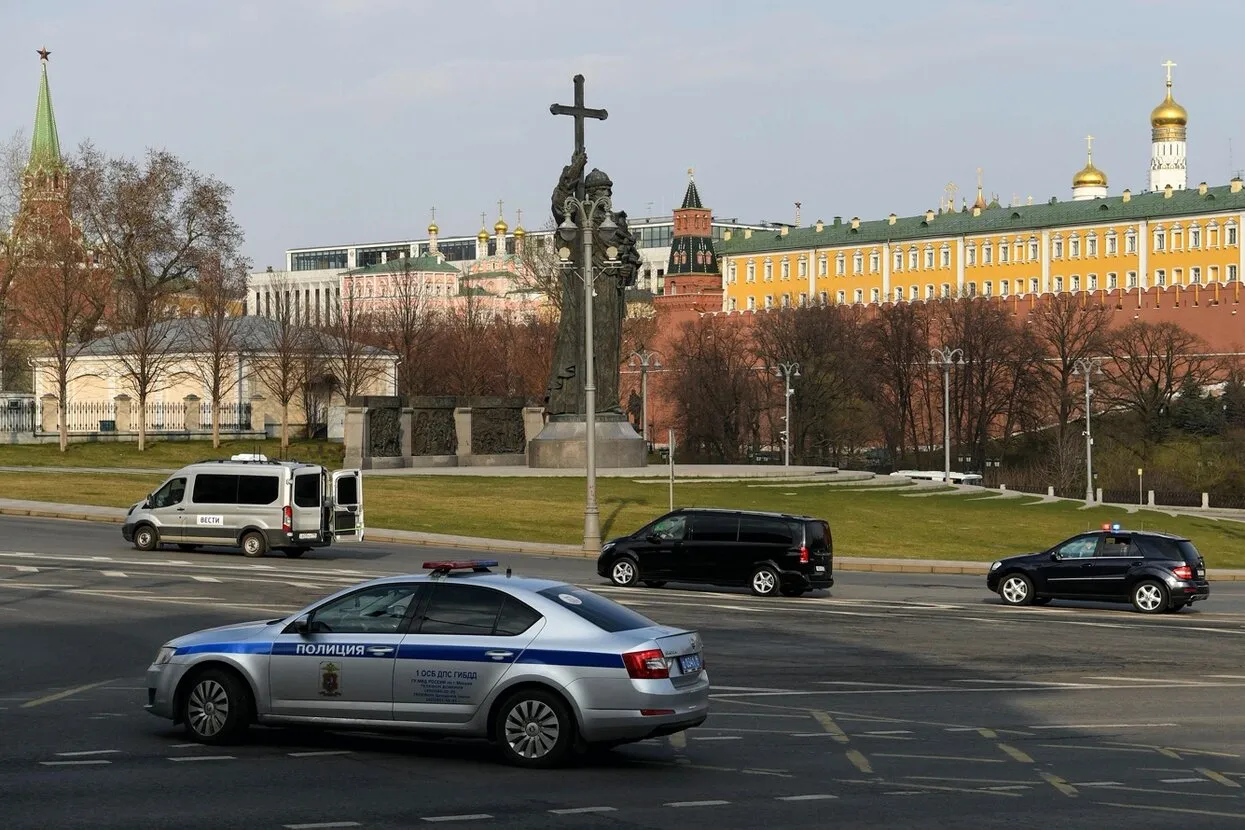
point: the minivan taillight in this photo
(803, 554)
(646, 665)
(1182, 572)
(287, 519)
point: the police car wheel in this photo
(535, 729)
(765, 581)
(146, 538)
(253, 544)
(216, 708)
(1150, 597)
(625, 572)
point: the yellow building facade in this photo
(1169, 236)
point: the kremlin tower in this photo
(693, 280)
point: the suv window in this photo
(257, 489)
(213, 488)
(714, 527)
(671, 527)
(1115, 546)
(817, 535)
(307, 490)
(605, 614)
(1156, 547)
(763, 531)
(462, 609)
(1082, 547)
(173, 491)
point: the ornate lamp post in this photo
(1087, 366)
(644, 359)
(787, 371)
(588, 211)
(946, 357)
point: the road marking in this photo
(859, 761)
(809, 797)
(85, 763)
(1144, 680)
(1227, 676)
(119, 574)
(712, 803)
(1097, 784)
(1107, 726)
(322, 825)
(1059, 784)
(1016, 754)
(678, 740)
(1185, 810)
(939, 758)
(26, 569)
(88, 752)
(575, 811)
(987, 733)
(828, 724)
(205, 579)
(1182, 780)
(52, 698)
(316, 754)
(184, 746)
(1098, 748)
(302, 585)
(749, 689)
(720, 738)
(1218, 778)
(464, 817)
(774, 773)
(205, 758)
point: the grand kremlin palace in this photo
(1169, 236)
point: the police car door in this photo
(348, 506)
(463, 643)
(340, 664)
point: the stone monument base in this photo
(561, 445)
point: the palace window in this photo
(972, 289)
(1160, 277)
(929, 257)
(1213, 272)
(860, 295)
(769, 271)
(1195, 275)
(1132, 279)
(1057, 249)
(1075, 283)
(1212, 235)
(899, 293)
(1232, 277)
(1058, 285)
(786, 301)
(752, 303)
(785, 270)
(858, 263)
(1091, 245)
(1195, 237)
(874, 262)
(875, 295)
(1003, 288)
(946, 290)
(840, 297)
(1113, 280)
(752, 272)
(1074, 247)
(769, 300)
(945, 257)
(1092, 283)
(987, 289)
(803, 268)
(1160, 240)
(987, 254)
(1130, 242)
(1004, 252)
(912, 255)
(822, 266)
(823, 298)
(730, 271)
(1033, 249)
(734, 303)
(929, 291)
(1020, 252)
(897, 260)
(1177, 238)
(970, 255)
(1113, 244)
(840, 265)
(914, 293)
(1231, 235)
(1034, 286)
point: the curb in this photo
(36, 513)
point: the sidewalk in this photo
(116, 515)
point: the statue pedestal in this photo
(561, 444)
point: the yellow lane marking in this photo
(1218, 778)
(1185, 810)
(1016, 754)
(987, 733)
(52, 698)
(828, 724)
(939, 757)
(859, 761)
(1059, 784)
(679, 741)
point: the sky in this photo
(345, 121)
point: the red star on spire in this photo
(44, 53)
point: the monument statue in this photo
(565, 394)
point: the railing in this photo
(165, 416)
(19, 415)
(102, 417)
(234, 417)
(86, 416)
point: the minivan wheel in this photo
(764, 582)
(1150, 597)
(1016, 589)
(625, 572)
(253, 544)
(535, 729)
(146, 538)
(216, 708)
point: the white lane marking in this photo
(1033, 682)
(1227, 676)
(575, 811)
(302, 585)
(809, 797)
(1106, 726)
(748, 689)
(26, 569)
(720, 738)
(184, 746)
(86, 763)
(100, 558)
(205, 579)
(870, 685)
(1096, 783)
(464, 817)
(318, 753)
(1145, 680)
(205, 758)
(890, 732)
(1184, 781)
(88, 752)
(120, 574)
(321, 825)
(711, 803)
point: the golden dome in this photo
(1169, 113)
(501, 226)
(482, 235)
(519, 232)
(1090, 176)
(433, 229)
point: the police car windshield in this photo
(605, 614)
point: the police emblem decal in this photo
(330, 680)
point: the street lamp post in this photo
(645, 359)
(787, 371)
(946, 357)
(1088, 366)
(588, 210)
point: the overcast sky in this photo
(343, 121)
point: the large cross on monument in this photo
(579, 112)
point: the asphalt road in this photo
(895, 700)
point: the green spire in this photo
(45, 147)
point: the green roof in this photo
(997, 220)
(45, 147)
(424, 263)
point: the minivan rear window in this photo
(307, 490)
(762, 530)
(817, 535)
(605, 614)
(257, 489)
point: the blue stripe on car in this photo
(415, 651)
(226, 648)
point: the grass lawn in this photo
(865, 523)
(160, 454)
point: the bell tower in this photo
(692, 275)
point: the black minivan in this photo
(771, 553)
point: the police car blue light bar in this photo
(1111, 527)
(461, 565)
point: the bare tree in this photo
(1150, 362)
(713, 382)
(464, 353)
(407, 325)
(347, 351)
(1068, 328)
(280, 360)
(543, 269)
(217, 362)
(898, 355)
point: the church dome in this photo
(501, 226)
(1090, 176)
(1169, 113)
(519, 232)
(433, 229)
(482, 235)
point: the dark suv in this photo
(1156, 572)
(769, 552)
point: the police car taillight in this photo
(287, 519)
(1182, 572)
(803, 554)
(646, 665)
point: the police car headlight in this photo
(607, 547)
(994, 566)
(164, 655)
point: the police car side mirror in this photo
(1054, 556)
(653, 539)
(302, 625)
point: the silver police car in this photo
(539, 667)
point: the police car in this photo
(538, 667)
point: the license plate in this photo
(821, 569)
(691, 663)
(306, 536)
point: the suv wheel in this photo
(624, 572)
(765, 581)
(535, 729)
(1016, 589)
(146, 538)
(216, 708)
(253, 544)
(1150, 597)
